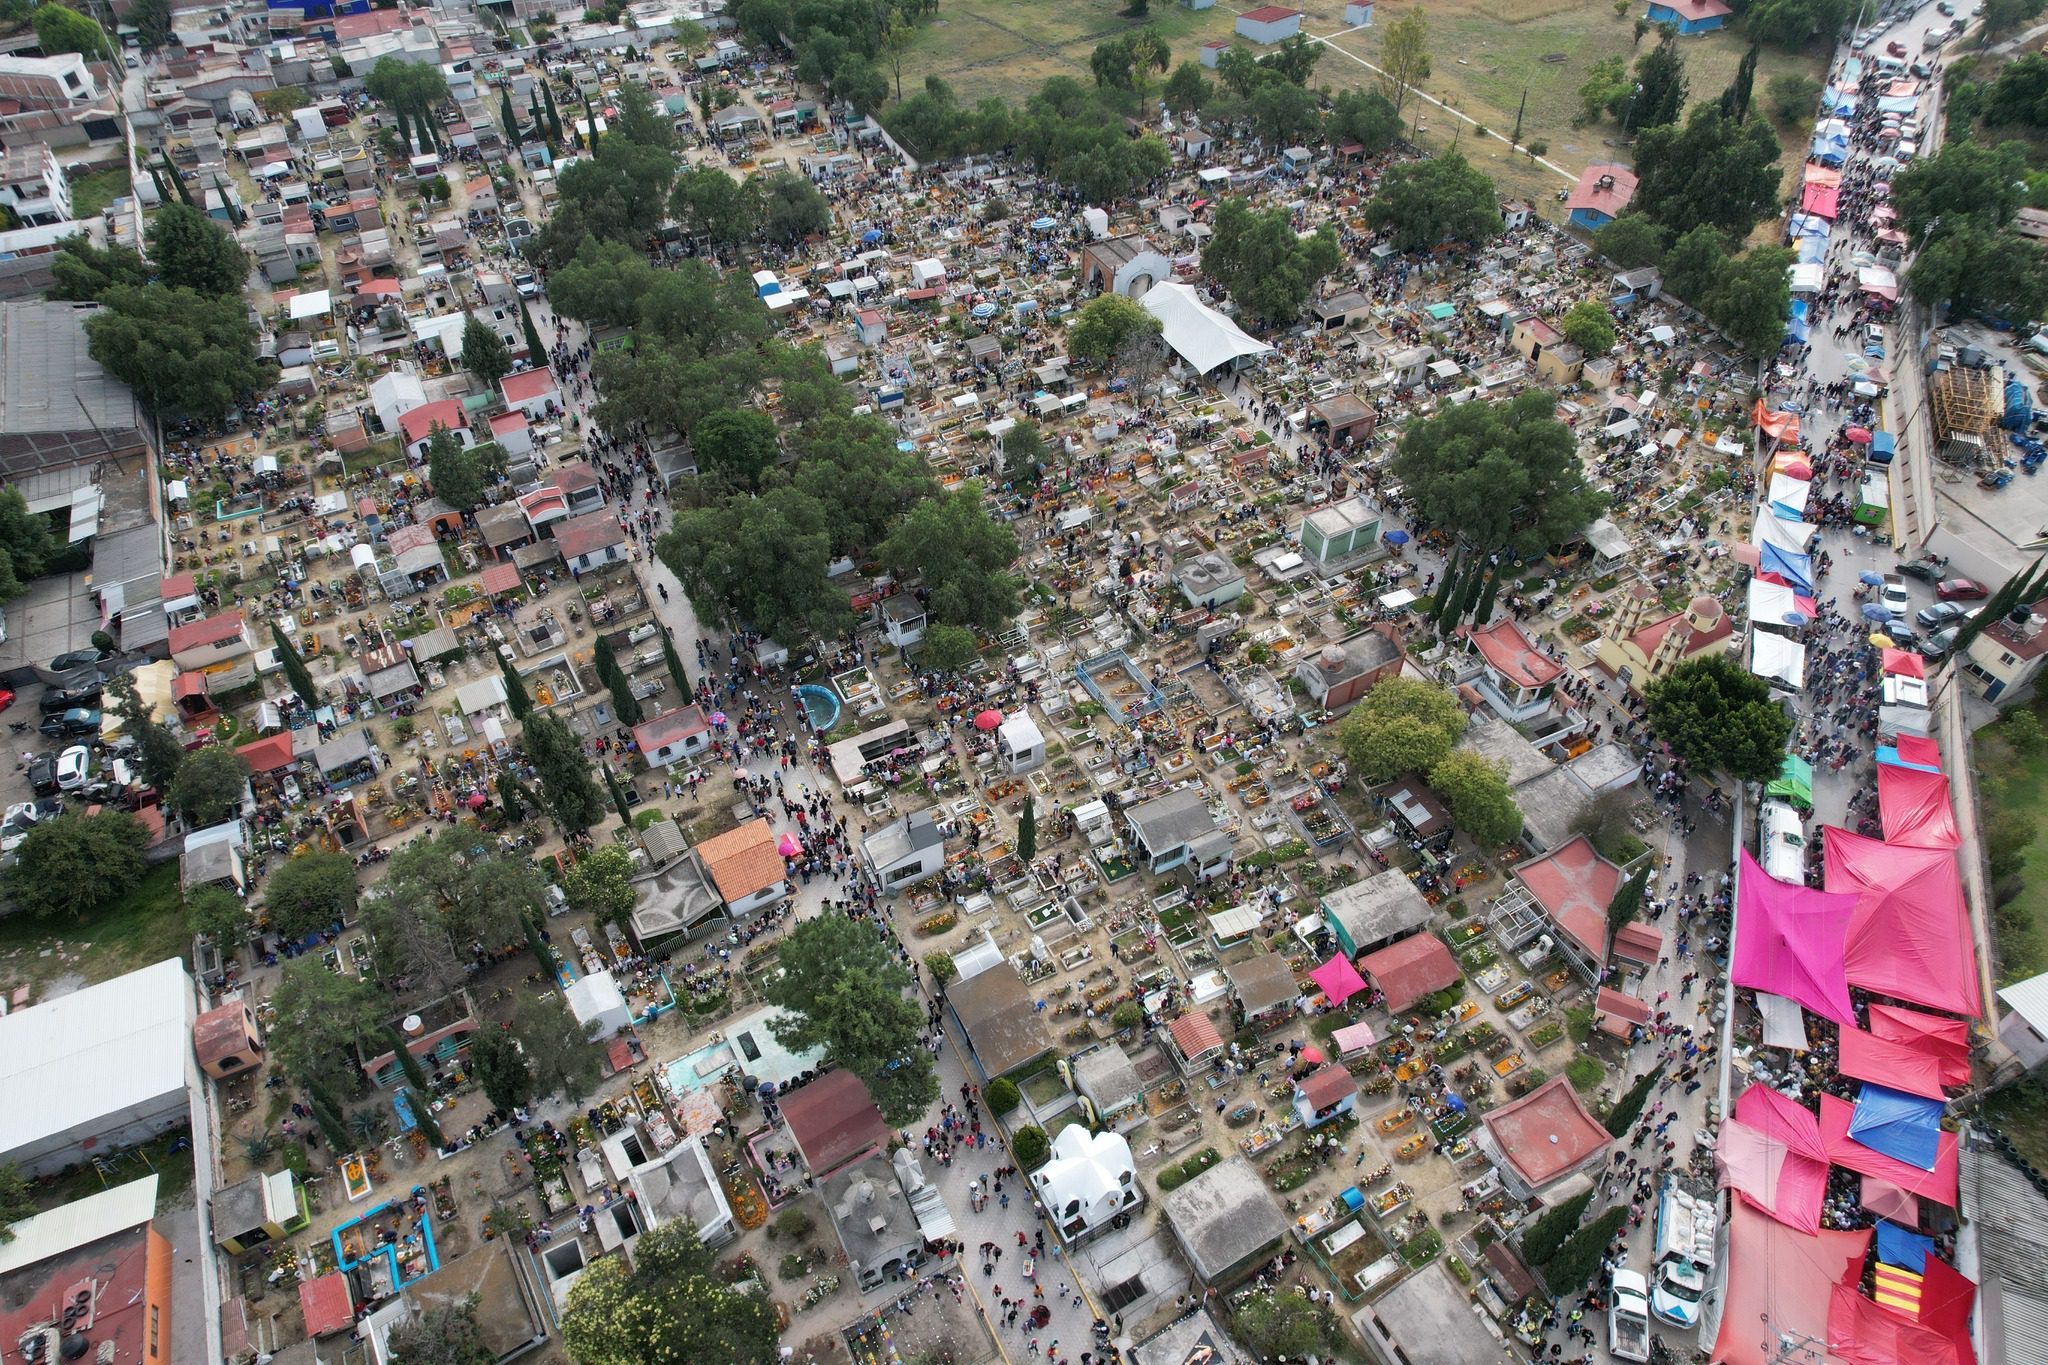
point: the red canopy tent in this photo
(1916, 807)
(1901, 1066)
(1781, 1284)
(1947, 1039)
(1910, 935)
(1905, 665)
(1919, 749)
(1938, 1184)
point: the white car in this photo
(1894, 599)
(74, 766)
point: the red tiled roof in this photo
(742, 861)
(574, 478)
(590, 532)
(1610, 201)
(1694, 10)
(326, 1304)
(1408, 970)
(1574, 884)
(527, 385)
(670, 726)
(499, 578)
(1326, 1086)
(419, 422)
(1546, 1133)
(1194, 1034)
(834, 1121)
(179, 585)
(1649, 637)
(1270, 13)
(269, 754)
(208, 630)
(1510, 652)
(1639, 942)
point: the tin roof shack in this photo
(1225, 1222)
(258, 1209)
(1167, 830)
(1372, 914)
(1004, 1030)
(905, 851)
(833, 1122)
(1337, 675)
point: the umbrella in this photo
(985, 310)
(1312, 1055)
(1044, 224)
(476, 800)
(718, 717)
(988, 720)
(1395, 537)
(1873, 612)
(1881, 640)
(1857, 435)
(789, 846)
(871, 236)
(1871, 577)
(1797, 469)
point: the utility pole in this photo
(1516, 140)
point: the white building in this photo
(99, 1069)
(33, 186)
(596, 998)
(1090, 1179)
(1020, 743)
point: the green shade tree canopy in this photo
(1502, 475)
(963, 555)
(1401, 725)
(191, 251)
(667, 1308)
(1267, 268)
(1424, 204)
(76, 864)
(1719, 717)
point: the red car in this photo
(1961, 590)
(1895, 49)
(6, 698)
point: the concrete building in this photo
(1269, 24)
(1089, 1181)
(2006, 655)
(1326, 1093)
(1556, 361)
(1176, 830)
(681, 1183)
(1225, 1222)
(32, 185)
(58, 407)
(1339, 674)
(258, 1209)
(107, 1246)
(1019, 743)
(1123, 265)
(746, 868)
(674, 736)
(1541, 1140)
(591, 541)
(833, 1122)
(1372, 914)
(1518, 679)
(905, 851)
(1409, 969)
(1572, 885)
(1209, 580)
(1340, 536)
(1004, 1030)
(109, 1066)
(885, 1211)
(1110, 1088)
(227, 1040)
(1429, 1316)
(1264, 989)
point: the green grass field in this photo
(147, 927)
(2011, 781)
(90, 194)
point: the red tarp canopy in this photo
(1910, 936)
(1780, 426)
(1901, 1066)
(1938, 1184)
(1905, 665)
(1916, 808)
(1780, 1283)
(1919, 749)
(1783, 1183)
(1821, 201)
(1861, 1332)
(1790, 941)
(1887, 1200)
(1947, 1039)
(1787, 1120)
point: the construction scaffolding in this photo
(1965, 401)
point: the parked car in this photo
(6, 697)
(1940, 614)
(1926, 573)
(1893, 597)
(1945, 8)
(1941, 644)
(1895, 49)
(1961, 590)
(74, 766)
(71, 724)
(42, 775)
(58, 699)
(76, 659)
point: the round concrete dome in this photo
(1707, 609)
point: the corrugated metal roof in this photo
(2010, 1218)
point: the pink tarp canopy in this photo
(1887, 1200)
(1820, 200)
(1780, 1283)
(1338, 978)
(1860, 1332)
(1783, 1183)
(1902, 1066)
(1905, 665)
(1782, 1118)
(1790, 941)
(1947, 1039)
(1916, 808)
(1938, 1184)
(1919, 749)
(1910, 937)
(1352, 1037)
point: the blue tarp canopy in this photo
(1797, 570)
(1899, 1247)
(1883, 443)
(1835, 102)
(1796, 326)
(1897, 104)
(1352, 1198)
(1904, 1127)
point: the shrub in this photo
(1127, 1016)
(941, 966)
(1001, 1095)
(1585, 1072)
(792, 1223)
(1181, 1172)
(1030, 1146)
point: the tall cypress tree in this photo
(536, 354)
(675, 667)
(547, 93)
(611, 782)
(178, 181)
(515, 688)
(1469, 595)
(404, 130)
(589, 125)
(624, 704)
(295, 671)
(509, 117)
(328, 1115)
(1027, 831)
(416, 1078)
(1447, 589)
(1484, 611)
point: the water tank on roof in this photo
(1332, 660)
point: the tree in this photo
(1792, 96)
(1424, 204)
(1660, 85)
(790, 207)
(1754, 298)
(294, 666)
(448, 1334)
(1549, 1232)
(75, 864)
(1607, 89)
(1628, 899)
(308, 893)
(1023, 454)
(192, 252)
(845, 993)
(1187, 89)
(501, 1069)
(508, 116)
(1283, 114)
(2023, 587)
(452, 470)
(559, 1051)
(60, 30)
(625, 706)
(1503, 474)
(484, 353)
(669, 1308)
(1631, 240)
(1002, 1096)
(217, 915)
(739, 443)
(1629, 1107)
(619, 193)
(1285, 1325)
(1365, 117)
(566, 787)
(618, 795)
(183, 353)
(321, 1016)
(1401, 725)
(759, 561)
(1589, 327)
(17, 1199)
(1965, 183)
(1735, 99)
(1267, 268)
(466, 896)
(963, 556)
(1476, 789)
(947, 649)
(82, 272)
(2003, 16)
(1578, 1260)
(1027, 830)
(1709, 169)
(209, 786)
(1791, 24)
(674, 662)
(1719, 717)
(27, 544)
(160, 754)
(516, 699)
(416, 1078)
(1696, 265)
(1104, 324)
(1404, 56)
(152, 20)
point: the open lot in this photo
(999, 48)
(145, 927)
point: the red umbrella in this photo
(988, 720)
(1312, 1055)
(1857, 436)
(1797, 469)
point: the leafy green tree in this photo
(739, 443)
(1544, 1236)
(1504, 475)
(82, 272)
(791, 208)
(1425, 204)
(76, 864)
(675, 668)
(1629, 1107)
(947, 649)
(1660, 85)
(1607, 89)
(484, 353)
(759, 561)
(501, 1069)
(416, 1079)
(17, 1199)
(182, 352)
(446, 1334)
(601, 884)
(1401, 725)
(1476, 790)
(1719, 717)
(1404, 56)
(853, 466)
(294, 666)
(191, 251)
(1792, 96)
(209, 786)
(1187, 89)
(1287, 1326)
(1283, 114)
(27, 543)
(60, 30)
(218, 915)
(1266, 267)
(845, 993)
(619, 193)
(508, 117)
(566, 786)
(1696, 265)
(309, 892)
(152, 20)
(624, 704)
(1964, 183)
(559, 1051)
(2003, 16)
(1589, 326)
(321, 1017)
(1023, 454)
(1754, 299)
(2023, 587)
(1365, 117)
(668, 1308)
(159, 752)
(1631, 240)
(1104, 325)
(962, 554)
(1578, 1260)
(452, 470)
(1002, 1096)
(1708, 170)
(1030, 1146)
(861, 84)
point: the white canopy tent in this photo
(1198, 334)
(1777, 659)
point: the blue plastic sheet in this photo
(1904, 1249)
(1797, 570)
(1904, 1127)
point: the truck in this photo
(1628, 1317)
(1687, 1220)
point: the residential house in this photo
(1326, 1093)
(905, 851)
(674, 737)
(32, 185)
(745, 867)
(1689, 16)
(533, 392)
(1339, 674)
(1517, 678)
(2002, 661)
(417, 426)
(591, 541)
(211, 643)
(1603, 190)
(1177, 830)
(1269, 24)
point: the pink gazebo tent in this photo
(1352, 1038)
(1338, 979)
(1910, 937)
(1771, 1151)
(1791, 942)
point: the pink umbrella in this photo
(1857, 435)
(1798, 469)
(718, 717)
(988, 720)
(789, 846)
(476, 800)
(1312, 1055)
